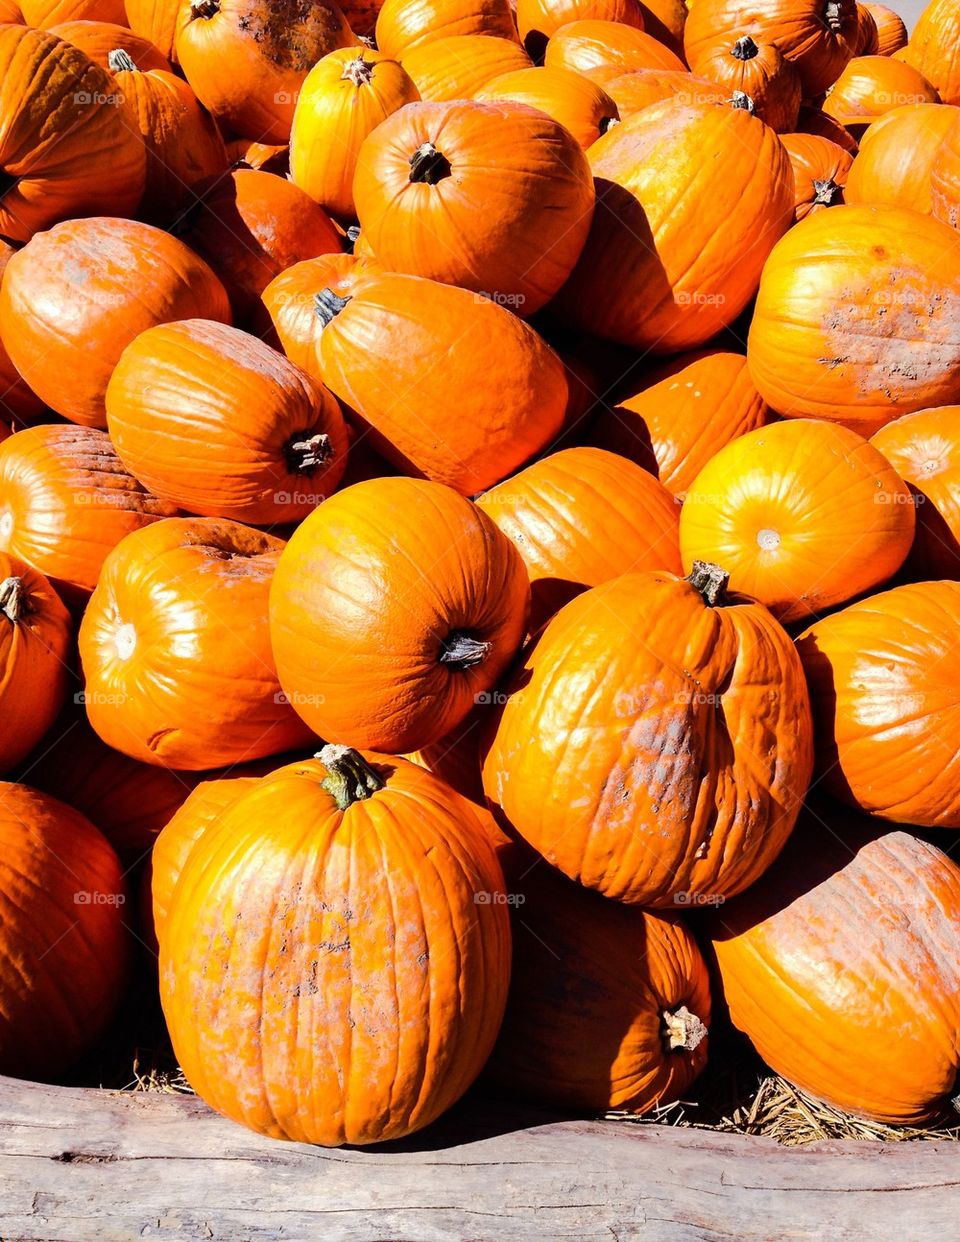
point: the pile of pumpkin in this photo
(480, 527)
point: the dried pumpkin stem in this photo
(120, 61)
(832, 16)
(327, 305)
(711, 581)
(204, 8)
(308, 453)
(742, 101)
(682, 1030)
(607, 123)
(462, 650)
(744, 48)
(349, 777)
(13, 599)
(353, 236)
(825, 191)
(428, 165)
(357, 71)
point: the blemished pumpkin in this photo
(539, 20)
(579, 105)
(655, 740)
(247, 59)
(871, 86)
(65, 946)
(896, 157)
(96, 163)
(347, 95)
(76, 295)
(658, 278)
(820, 172)
(440, 193)
(590, 46)
(175, 648)
(46, 13)
(359, 1029)
(757, 78)
(842, 969)
(581, 517)
(814, 121)
(458, 66)
(673, 419)
(66, 501)
(634, 91)
(833, 336)
(155, 20)
(398, 660)
(891, 31)
(218, 423)
(802, 514)
(402, 26)
(35, 650)
(934, 48)
(884, 703)
(98, 39)
(512, 390)
(18, 401)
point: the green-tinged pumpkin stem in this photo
(327, 305)
(428, 165)
(462, 650)
(825, 192)
(745, 48)
(742, 101)
(13, 599)
(349, 777)
(711, 581)
(358, 71)
(306, 453)
(682, 1030)
(120, 61)
(204, 8)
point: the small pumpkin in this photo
(891, 31)
(576, 103)
(634, 91)
(897, 155)
(589, 46)
(820, 172)
(155, 20)
(98, 39)
(459, 66)
(871, 86)
(934, 48)
(402, 26)
(539, 20)
(758, 79)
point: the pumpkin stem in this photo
(353, 236)
(305, 455)
(358, 71)
(327, 305)
(743, 101)
(367, 41)
(607, 123)
(461, 650)
(831, 15)
(744, 48)
(13, 599)
(204, 8)
(428, 165)
(825, 191)
(711, 581)
(349, 777)
(682, 1030)
(120, 61)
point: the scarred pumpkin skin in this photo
(220, 424)
(644, 770)
(884, 704)
(634, 91)
(403, 1010)
(760, 72)
(97, 39)
(871, 86)
(539, 20)
(897, 155)
(395, 660)
(934, 48)
(512, 390)
(891, 31)
(458, 66)
(402, 25)
(580, 517)
(95, 164)
(590, 46)
(66, 950)
(820, 173)
(75, 296)
(842, 968)
(819, 346)
(155, 20)
(578, 104)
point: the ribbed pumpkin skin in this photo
(84, 162)
(802, 514)
(636, 90)
(656, 278)
(934, 48)
(820, 172)
(46, 13)
(403, 25)
(17, 399)
(897, 155)
(210, 418)
(35, 650)
(66, 501)
(581, 517)
(945, 176)
(868, 37)
(511, 387)
(363, 663)
(65, 948)
(458, 66)
(842, 968)
(155, 20)
(646, 769)
(364, 983)
(885, 707)
(98, 39)
(579, 105)
(178, 619)
(763, 74)
(818, 346)
(538, 20)
(74, 297)
(677, 417)
(871, 86)
(588, 46)
(891, 31)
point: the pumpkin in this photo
(803, 514)
(220, 424)
(608, 1005)
(65, 501)
(934, 48)
(673, 419)
(897, 156)
(581, 517)
(348, 94)
(660, 770)
(18, 401)
(653, 276)
(758, 79)
(820, 172)
(945, 175)
(179, 619)
(247, 59)
(819, 36)
(884, 705)
(10, 12)
(588, 46)
(75, 296)
(576, 103)
(250, 226)
(833, 336)
(814, 121)
(400, 659)
(539, 20)
(665, 20)
(634, 91)
(868, 36)
(96, 164)
(155, 20)
(99, 39)
(458, 66)
(842, 968)
(439, 193)
(891, 31)
(394, 1016)
(46, 13)
(268, 157)
(871, 86)
(923, 448)
(65, 947)
(35, 650)
(402, 26)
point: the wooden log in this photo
(97, 1166)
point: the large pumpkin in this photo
(294, 1005)
(538, 20)
(591, 46)
(441, 191)
(758, 78)
(891, 31)
(458, 66)
(660, 770)
(155, 20)
(98, 39)
(871, 86)
(579, 105)
(75, 296)
(838, 334)
(820, 172)
(657, 277)
(402, 26)
(897, 155)
(436, 612)
(934, 48)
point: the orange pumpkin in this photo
(18, 401)
(268, 157)
(589, 46)
(868, 36)
(656, 278)
(400, 660)
(820, 172)
(634, 91)
(10, 12)
(455, 758)
(666, 20)
(833, 337)
(897, 155)
(891, 31)
(758, 72)
(74, 297)
(402, 26)
(98, 39)
(814, 121)
(934, 48)
(155, 20)
(46, 13)
(457, 67)
(871, 86)
(439, 194)
(576, 103)
(945, 175)
(539, 20)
